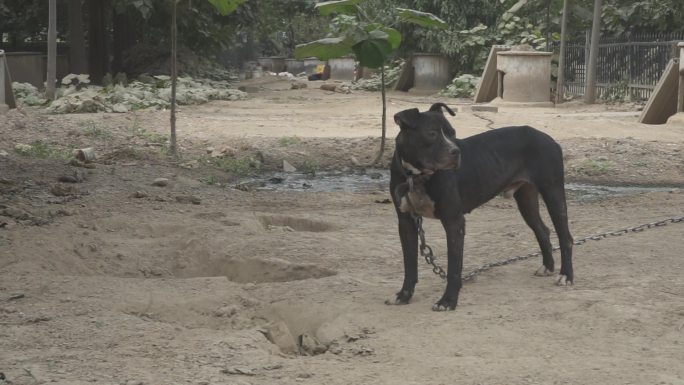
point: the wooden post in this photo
(560, 83)
(3, 106)
(51, 51)
(680, 98)
(174, 79)
(590, 91)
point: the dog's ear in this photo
(407, 118)
(439, 106)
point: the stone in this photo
(226, 311)
(309, 345)
(279, 334)
(161, 182)
(287, 167)
(484, 108)
(139, 194)
(188, 199)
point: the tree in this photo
(590, 91)
(77, 51)
(51, 76)
(222, 6)
(560, 82)
(372, 42)
(98, 55)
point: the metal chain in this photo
(490, 122)
(426, 251)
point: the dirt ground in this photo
(114, 280)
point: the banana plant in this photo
(372, 43)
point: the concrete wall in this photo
(342, 68)
(27, 67)
(431, 71)
(31, 67)
(294, 66)
(274, 64)
(526, 76)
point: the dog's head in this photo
(427, 142)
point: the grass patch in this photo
(289, 140)
(309, 166)
(143, 133)
(42, 150)
(595, 167)
(210, 180)
(238, 166)
(91, 129)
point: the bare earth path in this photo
(108, 286)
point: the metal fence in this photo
(626, 70)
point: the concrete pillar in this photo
(3, 106)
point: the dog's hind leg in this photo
(527, 197)
(554, 197)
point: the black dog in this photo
(435, 175)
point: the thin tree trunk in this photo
(98, 58)
(560, 82)
(78, 62)
(590, 91)
(51, 51)
(174, 79)
(548, 26)
(384, 115)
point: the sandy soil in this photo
(112, 280)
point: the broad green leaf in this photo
(324, 49)
(374, 51)
(393, 36)
(338, 6)
(226, 7)
(424, 19)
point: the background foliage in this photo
(275, 27)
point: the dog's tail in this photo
(439, 106)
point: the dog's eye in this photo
(432, 134)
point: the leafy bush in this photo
(463, 86)
(140, 95)
(392, 73)
(27, 94)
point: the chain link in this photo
(426, 251)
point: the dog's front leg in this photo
(455, 232)
(408, 234)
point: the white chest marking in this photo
(411, 167)
(418, 202)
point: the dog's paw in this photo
(444, 305)
(403, 297)
(396, 301)
(563, 281)
(543, 272)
